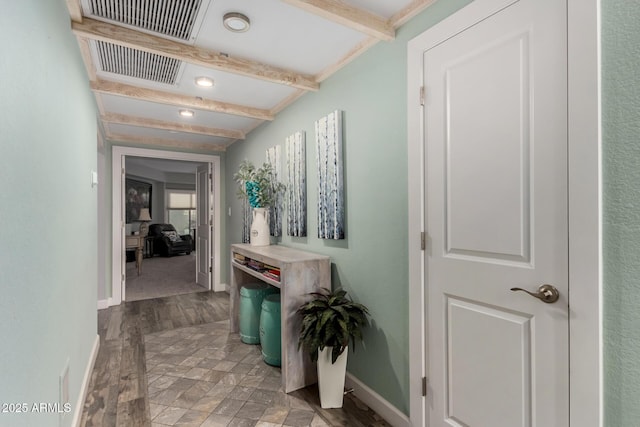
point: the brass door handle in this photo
(546, 293)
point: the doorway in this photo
(583, 202)
(167, 189)
(119, 155)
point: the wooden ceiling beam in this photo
(151, 95)
(159, 142)
(411, 10)
(98, 30)
(75, 10)
(349, 16)
(124, 119)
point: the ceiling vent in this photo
(173, 18)
(136, 63)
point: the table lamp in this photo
(144, 218)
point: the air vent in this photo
(173, 18)
(136, 63)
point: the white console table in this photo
(300, 273)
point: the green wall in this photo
(621, 173)
(48, 249)
(371, 263)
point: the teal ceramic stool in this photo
(270, 338)
(251, 296)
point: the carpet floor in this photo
(162, 277)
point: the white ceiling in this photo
(302, 40)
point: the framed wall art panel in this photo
(137, 196)
(297, 185)
(275, 223)
(330, 176)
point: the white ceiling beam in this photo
(349, 16)
(151, 95)
(98, 30)
(124, 119)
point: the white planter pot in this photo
(260, 227)
(331, 378)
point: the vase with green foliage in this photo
(259, 186)
(329, 321)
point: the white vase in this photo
(331, 378)
(260, 227)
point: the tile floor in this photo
(173, 362)
(205, 376)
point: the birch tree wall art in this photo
(296, 185)
(275, 224)
(247, 217)
(330, 179)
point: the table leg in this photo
(139, 259)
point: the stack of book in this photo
(266, 270)
(255, 265)
(271, 272)
(239, 258)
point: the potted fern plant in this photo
(260, 187)
(329, 321)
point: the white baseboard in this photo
(104, 303)
(84, 388)
(377, 403)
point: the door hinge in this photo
(210, 269)
(423, 240)
(424, 386)
(422, 95)
(123, 171)
(210, 176)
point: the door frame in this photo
(118, 156)
(584, 205)
(207, 214)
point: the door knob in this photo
(546, 293)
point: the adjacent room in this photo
(161, 210)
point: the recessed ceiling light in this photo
(236, 22)
(186, 113)
(204, 81)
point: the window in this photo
(181, 210)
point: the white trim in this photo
(105, 303)
(416, 217)
(585, 219)
(84, 388)
(377, 403)
(585, 214)
(117, 164)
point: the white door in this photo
(204, 214)
(496, 207)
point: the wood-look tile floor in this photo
(172, 361)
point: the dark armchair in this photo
(167, 241)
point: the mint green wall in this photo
(621, 169)
(371, 262)
(48, 249)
